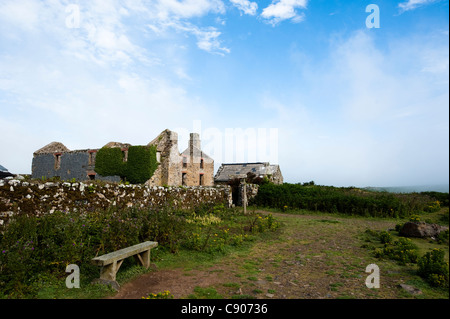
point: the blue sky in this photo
(302, 83)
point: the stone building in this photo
(227, 172)
(197, 168)
(191, 168)
(56, 160)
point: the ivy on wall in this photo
(140, 165)
(109, 162)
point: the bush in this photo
(345, 200)
(109, 162)
(402, 250)
(434, 268)
(350, 200)
(443, 237)
(385, 237)
(442, 198)
(433, 207)
(140, 165)
(33, 248)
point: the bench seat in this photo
(111, 262)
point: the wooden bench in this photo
(110, 263)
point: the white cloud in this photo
(413, 4)
(280, 10)
(100, 82)
(246, 6)
(188, 8)
(207, 38)
(23, 14)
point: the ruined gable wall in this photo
(71, 165)
(169, 169)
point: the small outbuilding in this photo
(227, 172)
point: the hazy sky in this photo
(317, 86)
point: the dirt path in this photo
(313, 257)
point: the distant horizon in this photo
(440, 187)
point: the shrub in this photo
(444, 217)
(345, 200)
(442, 237)
(237, 240)
(433, 207)
(109, 162)
(141, 164)
(402, 250)
(385, 237)
(443, 198)
(139, 167)
(434, 268)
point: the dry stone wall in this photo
(19, 196)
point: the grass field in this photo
(311, 255)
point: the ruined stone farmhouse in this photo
(190, 168)
(227, 172)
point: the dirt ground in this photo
(314, 257)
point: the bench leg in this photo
(109, 272)
(144, 258)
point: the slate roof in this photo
(227, 172)
(4, 172)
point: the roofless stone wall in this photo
(38, 198)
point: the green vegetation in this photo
(205, 293)
(347, 200)
(109, 162)
(160, 295)
(433, 268)
(140, 165)
(34, 251)
(432, 264)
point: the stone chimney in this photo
(194, 141)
